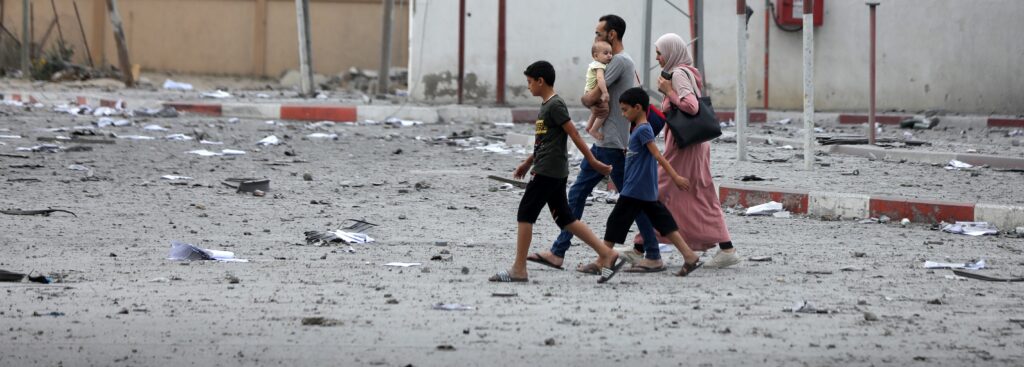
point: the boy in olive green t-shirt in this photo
(550, 161)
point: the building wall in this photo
(960, 56)
(232, 37)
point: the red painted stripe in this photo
(921, 211)
(794, 201)
(199, 108)
(111, 103)
(999, 122)
(525, 115)
(16, 97)
(863, 119)
(81, 101)
(315, 113)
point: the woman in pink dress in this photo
(697, 210)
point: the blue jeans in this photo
(584, 185)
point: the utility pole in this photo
(122, 46)
(385, 49)
(871, 114)
(26, 41)
(305, 55)
(809, 84)
(645, 69)
(500, 93)
(698, 14)
(741, 80)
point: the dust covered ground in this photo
(120, 302)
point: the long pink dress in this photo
(697, 212)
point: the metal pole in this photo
(871, 114)
(305, 55)
(84, 38)
(500, 95)
(56, 19)
(767, 43)
(645, 71)
(699, 58)
(808, 84)
(462, 47)
(384, 76)
(741, 80)
(26, 41)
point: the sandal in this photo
(608, 273)
(689, 268)
(645, 269)
(504, 277)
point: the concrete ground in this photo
(120, 302)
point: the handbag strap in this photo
(693, 82)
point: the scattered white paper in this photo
(784, 122)
(782, 214)
(954, 277)
(178, 137)
(78, 167)
(403, 123)
(104, 111)
(322, 136)
(175, 177)
(765, 209)
(352, 237)
(211, 142)
(106, 121)
(504, 124)
(452, 307)
(787, 147)
(977, 265)
(270, 140)
(207, 153)
(403, 265)
(135, 137)
(971, 228)
(153, 127)
(41, 148)
(958, 165)
(173, 85)
(181, 251)
(233, 120)
(10, 136)
(218, 94)
(232, 152)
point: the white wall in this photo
(962, 56)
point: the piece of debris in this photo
(768, 208)
(452, 307)
(870, 316)
(325, 238)
(973, 265)
(181, 251)
(223, 152)
(504, 294)
(920, 122)
(804, 307)
(516, 183)
(321, 321)
(43, 212)
(10, 276)
(218, 94)
(971, 228)
(446, 347)
(955, 165)
(761, 259)
(173, 85)
(402, 265)
(175, 178)
(967, 274)
(247, 185)
(270, 140)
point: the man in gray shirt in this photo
(620, 76)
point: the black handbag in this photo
(690, 129)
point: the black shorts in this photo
(625, 212)
(544, 190)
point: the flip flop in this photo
(541, 260)
(645, 269)
(689, 268)
(504, 277)
(608, 273)
(590, 268)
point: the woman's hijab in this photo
(673, 49)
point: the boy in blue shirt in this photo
(640, 189)
(550, 162)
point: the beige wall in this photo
(235, 37)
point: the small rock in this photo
(422, 185)
(905, 222)
(860, 254)
(465, 270)
(113, 254)
(884, 219)
(307, 176)
(124, 311)
(392, 301)
(320, 321)
(425, 270)
(402, 217)
(259, 193)
(1015, 142)
(935, 302)
(446, 347)
(399, 151)
(870, 316)
(232, 279)
(549, 341)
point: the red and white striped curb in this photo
(271, 111)
(838, 205)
